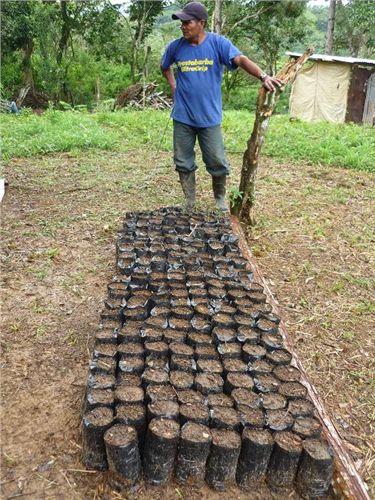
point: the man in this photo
(200, 58)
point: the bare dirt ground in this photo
(314, 242)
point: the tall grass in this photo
(348, 145)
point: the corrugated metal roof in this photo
(330, 58)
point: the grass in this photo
(347, 146)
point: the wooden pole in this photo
(266, 103)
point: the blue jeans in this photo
(210, 142)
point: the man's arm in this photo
(169, 76)
(269, 82)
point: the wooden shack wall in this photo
(357, 94)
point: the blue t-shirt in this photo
(197, 100)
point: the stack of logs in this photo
(189, 375)
(142, 96)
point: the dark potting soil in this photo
(150, 334)
(165, 409)
(229, 350)
(279, 357)
(101, 381)
(300, 407)
(307, 427)
(181, 380)
(260, 367)
(279, 420)
(247, 397)
(181, 350)
(208, 382)
(182, 363)
(103, 365)
(219, 399)
(158, 363)
(251, 417)
(152, 376)
(105, 350)
(171, 336)
(205, 352)
(99, 397)
(234, 366)
(131, 350)
(266, 383)
(287, 373)
(209, 366)
(292, 390)
(273, 401)
(194, 412)
(222, 462)
(238, 380)
(251, 353)
(225, 418)
(160, 393)
(131, 365)
(129, 395)
(189, 396)
(125, 379)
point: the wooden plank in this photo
(347, 481)
(357, 94)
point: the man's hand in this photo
(168, 74)
(270, 83)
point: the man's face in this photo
(192, 29)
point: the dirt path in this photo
(60, 217)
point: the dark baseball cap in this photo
(192, 10)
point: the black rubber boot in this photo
(218, 187)
(187, 180)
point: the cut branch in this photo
(243, 205)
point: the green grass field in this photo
(347, 146)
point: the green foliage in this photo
(272, 27)
(29, 134)
(11, 74)
(106, 34)
(144, 14)
(354, 29)
(245, 98)
(235, 195)
(17, 25)
(348, 146)
(69, 48)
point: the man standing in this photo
(200, 58)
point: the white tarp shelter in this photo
(334, 89)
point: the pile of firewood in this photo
(142, 96)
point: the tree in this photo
(330, 26)
(18, 32)
(270, 27)
(217, 17)
(355, 32)
(143, 14)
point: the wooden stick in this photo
(266, 103)
(346, 477)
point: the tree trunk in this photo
(217, 16)
(137, 40)
(65, 32)
(243, 205)
(330, 26)
(27, 78)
